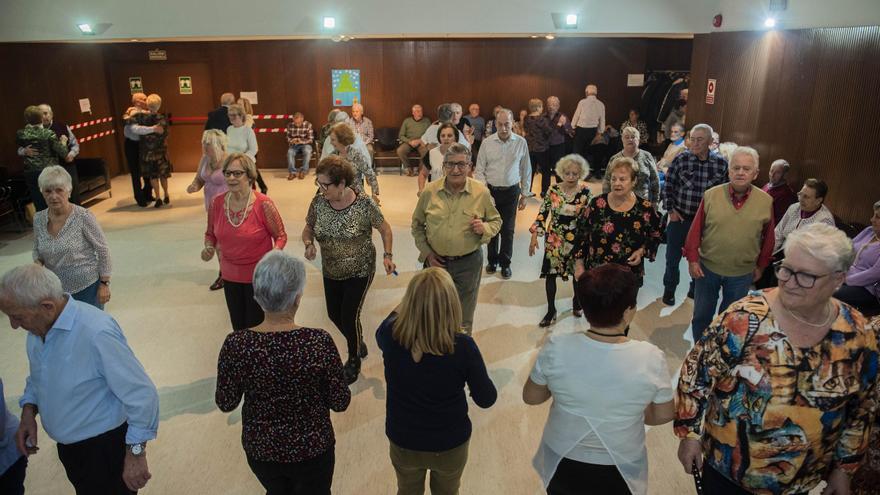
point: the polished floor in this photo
(175, 326)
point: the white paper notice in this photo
(635, 80)
(85, 106)
(250, 95)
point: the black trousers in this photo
(500, 249)
(139, 186)
(309, 477)
(12, 480)
(94, 465)
(858, 297)
(556, 152)
(550, 289)
(714, 483)
(583, 137)
(541, 163)
(244, 312)
(345, 298)
(580, 478)
(30, 179)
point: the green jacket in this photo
(50, 151)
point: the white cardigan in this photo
(792, 221)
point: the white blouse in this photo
(78, 254)
(242, 140)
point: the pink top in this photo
(242, 247)
(214, 181)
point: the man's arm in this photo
(695, 236)
(480, 169)
(72, 144)
(525, 169)
(418, 228)
(601, 128)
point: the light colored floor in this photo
(175, 326)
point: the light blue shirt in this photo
(9, 453)
(85, 380)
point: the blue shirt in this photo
(687, 179)
(85, 380)
(9, 453)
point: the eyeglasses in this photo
(322, 186)
(802, 279)
(234, 173)
(458, 165)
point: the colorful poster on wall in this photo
(186, 85)
(135, 84)
(346, 85)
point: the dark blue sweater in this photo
(426, 408)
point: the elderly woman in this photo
(777, 394)
(620, 227)
(69, 242)
(809, 209)
(154, 162)
(46, 148)
(242, 139)
(558, 221)
(432, 162)
(342, 139)
(676, 146)
(519, 125)
(647, 183)
(248, 111)
(867, 478)
(342, 219)
(243, 225)
(210, 175)
(428, 362)
(324, 133)
(538, 130)
(862, 286)
(291, 378)
(605, 387)
(638, 124)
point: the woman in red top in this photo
(243, 225)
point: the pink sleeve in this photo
(274, 223)
(216, 206)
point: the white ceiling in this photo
(56, 20)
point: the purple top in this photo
(214, 181)
(865, 271)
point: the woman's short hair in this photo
(331, 117)
(279, 279)
(725, 149)
(628, 129)
(625, 163)
(236, 109)
(430, 314)
(817, 185)
(447, 125)
(535, 104)
(572, 160)
(344, 133)
(823, 242)
(216, 140)
(247, 163)
(246, 106)
(55, 176)
(606, 292)
(29, 285)
(154, 101)
(337, 169)
(33, 115)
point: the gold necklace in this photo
(825, 324)
(243, 213)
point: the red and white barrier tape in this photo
(96, 136)
(262, 130)
(91, 122)
(272, 116)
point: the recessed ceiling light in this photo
(85, 28)
(135, 39)
(550, 37)
(571, 20)
(534, 36)
(329, 22)
(770, 22)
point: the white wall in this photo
(748, 15)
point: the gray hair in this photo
(823, 242)
(457, 149)
(505, 109)
(748, 151)
(726, 148)
(703, 127)
(573, 159)
(782, 163)
(631, 130)
(445, 112)
(29, 285)
(458, 106)
(341, 116)
(877, 206)
(45, 107)
(279, 279)
(54, 176)
(331, 117)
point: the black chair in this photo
(14, 196)
(386, 144)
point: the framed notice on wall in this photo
(136, 84)
(346, 86)
(186, 85)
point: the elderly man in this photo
(300, 135)
(478, 125)
(503, 165)
(730, 241)
(410, 137)
(60, 129)
(362, 126)
(689, 175)
(778, 189)
(588, 122)
(562, 130)
(92, 394)
(452, 220)
(327, 148)
(143, 192)
(219, 118)
(445, 114)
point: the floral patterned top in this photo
(867, 479)
(612, 236)
(561, 231)
(774, 417)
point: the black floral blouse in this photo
(612, 236)
(558, 222)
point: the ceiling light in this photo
(571, 20)
(550, 37)
(329, 22)
(770, 22)
(85, 28)
(534, 36)
(135, 39)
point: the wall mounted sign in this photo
(346, 86)
(250, 96)
(186, 85)
(85, 106)
(635, 80)
(158, 55)
(135, 84)
(710, 92)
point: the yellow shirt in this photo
(441, 222)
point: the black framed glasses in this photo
(322, 186)
(233, 173)
(458, 165)
(803, 279)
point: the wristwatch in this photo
(105, 282)
(137, 449)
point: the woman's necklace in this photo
(568, 194)
(824, 324)
(241, 215)
(619, 204)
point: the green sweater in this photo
(410, 129)
(50, 151)
(732, 238)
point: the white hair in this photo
(703, 127)
(823, 242)
(631, 130)
(782, 163)
(726, 148)
(45, 107)
(54, 176)
(573, 160)
(279, 279)
(341, 116)
(748, 151)
(29, 285)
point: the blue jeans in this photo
(706, 296)
(676, 233)
(89, 295)
(306, 150)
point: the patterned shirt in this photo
(688, 178)
(49, 149)
(362, 169)
(364, 128)
(775, 417)
(290, 381)
(640, 126)
(647, 183)
(345, 236)
(300, 134)
(78, 253)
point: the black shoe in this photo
(490, 268)
(142, 204)
(549, 319)
(506, 273)
(577, 313)
(669, 297)
(218, 284)
(167, 200)
(351, 370)
(691, 292)
(362, 350)
(158, 204)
